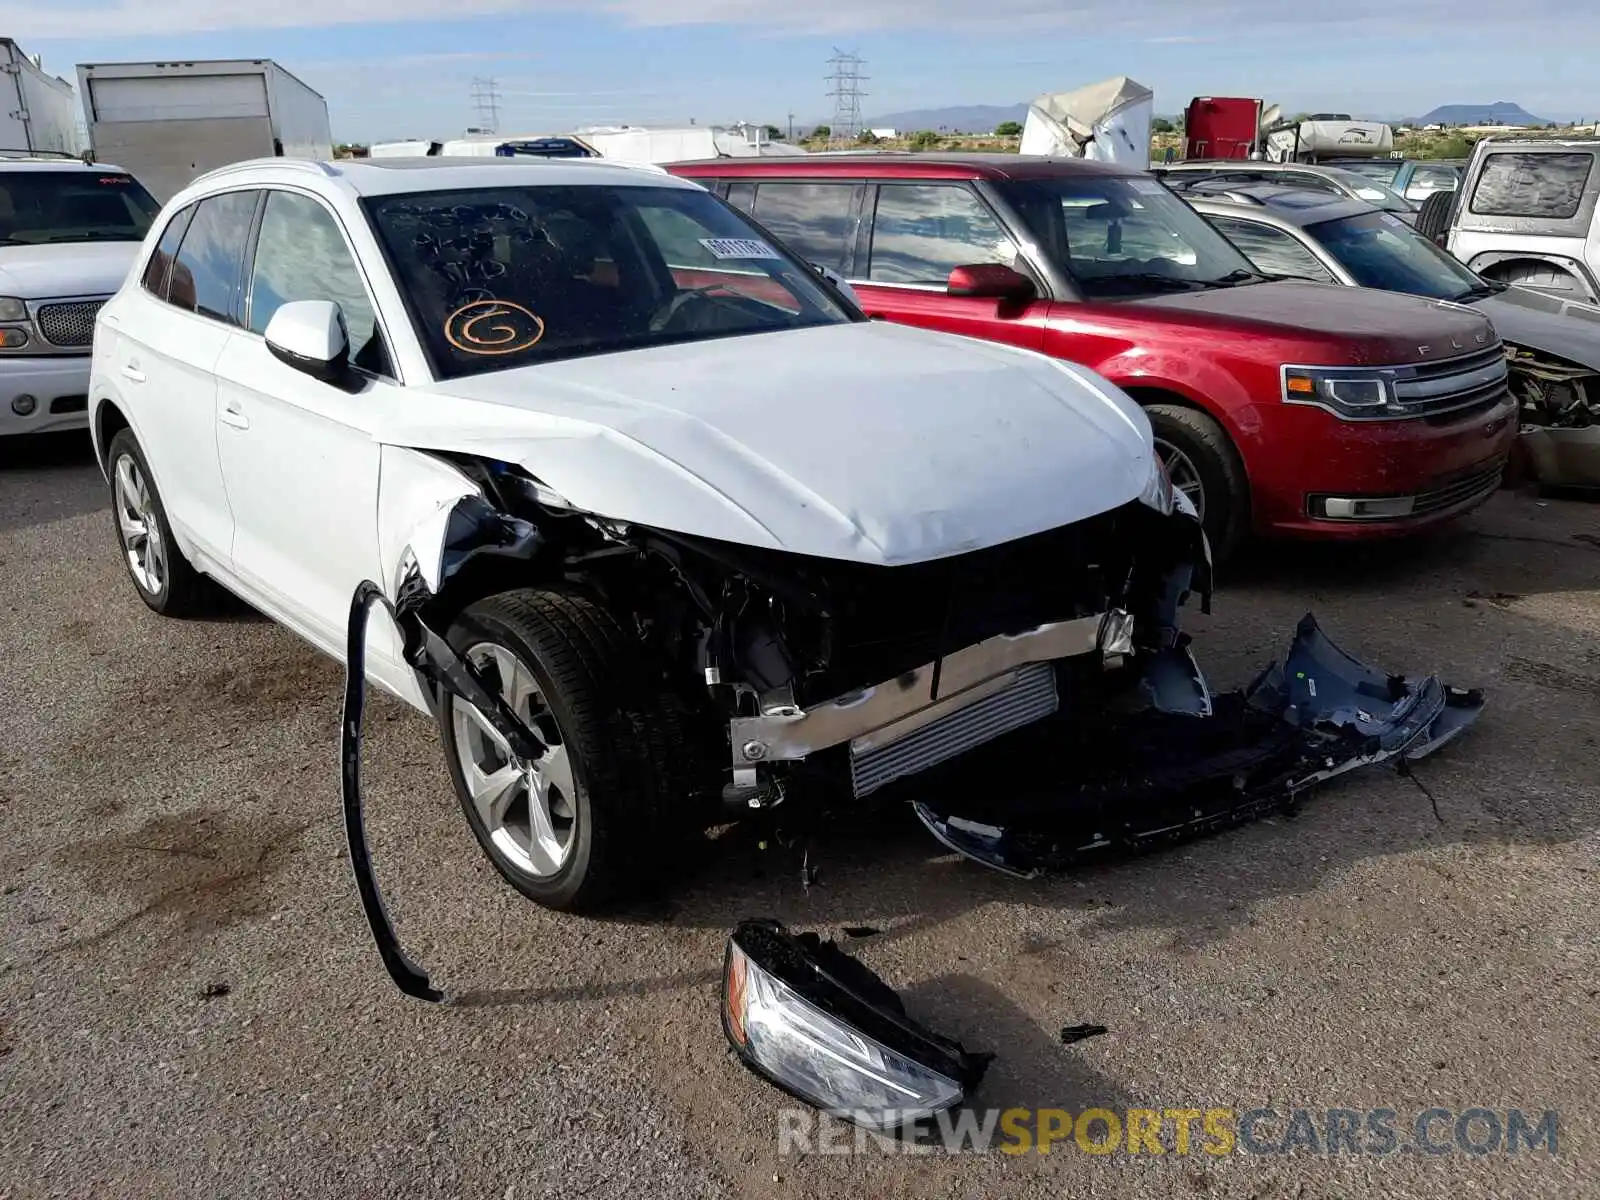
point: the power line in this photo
(846, 79)
(486, 101)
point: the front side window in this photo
(815, 220)
(159, 267)
(205, 275)
(502, 277)
(1384, 170)
(1273, 250)
(1532, 185)
(1426, 180)
(1382, 251)
(1125, 236)
(48, 207)
(922, 232)
(301, 254)
(1377, 194)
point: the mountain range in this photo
(1501, 112)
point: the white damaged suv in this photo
(667, 527)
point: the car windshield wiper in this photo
(1147, 279)
(1479, 291)
(98, 235)
(1234, 278)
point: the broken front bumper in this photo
(933, 713)
(1161, 776)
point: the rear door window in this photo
(742, 196)
(158, 268)
(206, 276)
(1272, 250)
(1532, 185)
(815, 220)
(922, 232)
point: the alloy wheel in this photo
(1185, 476)
(528, 807)
(140, 528)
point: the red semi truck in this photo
(1221, 127)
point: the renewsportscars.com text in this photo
(1379, 1132)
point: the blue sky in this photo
(393, 68)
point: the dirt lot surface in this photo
(190, 1005)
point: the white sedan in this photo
(692, 530)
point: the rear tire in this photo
(160, 573)
(579, 828)
(1203, 463)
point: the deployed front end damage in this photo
(1154, 777)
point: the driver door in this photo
(298, 456)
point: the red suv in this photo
(1279, 406)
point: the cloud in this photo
(101, 19)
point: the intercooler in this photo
(1024, 696)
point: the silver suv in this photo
(1526, 214)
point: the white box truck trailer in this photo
(169, 123)
(38, 112)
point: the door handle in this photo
(130, 370)
(233, 415)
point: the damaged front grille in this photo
(1029, 696)
(887, 620)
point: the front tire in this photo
(160, 573)
(1200, 458)
(576, 828)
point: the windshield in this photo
(1125, 236)
(1381, 251)
(507, 276)
(1384, 170)
(1372, 191)
(41, 207)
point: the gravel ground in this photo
(190, 1005)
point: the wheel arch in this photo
(1150, 395)
(109, 420)
(1495, 263)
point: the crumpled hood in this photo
(65, 269)
(1387, 327)
(868, 442)
(1567, 329)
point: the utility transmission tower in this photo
(486, 100)
(844, 74)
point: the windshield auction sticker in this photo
(725, 248)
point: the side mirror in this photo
(310, 336)
(990, 281)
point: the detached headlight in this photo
(1353, 395)
(12, 309)
(1158, 490)
(825, 1029)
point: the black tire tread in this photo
(595, 664)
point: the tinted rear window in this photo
(206, 276)
(1532, 185)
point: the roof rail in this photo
(309, 165)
